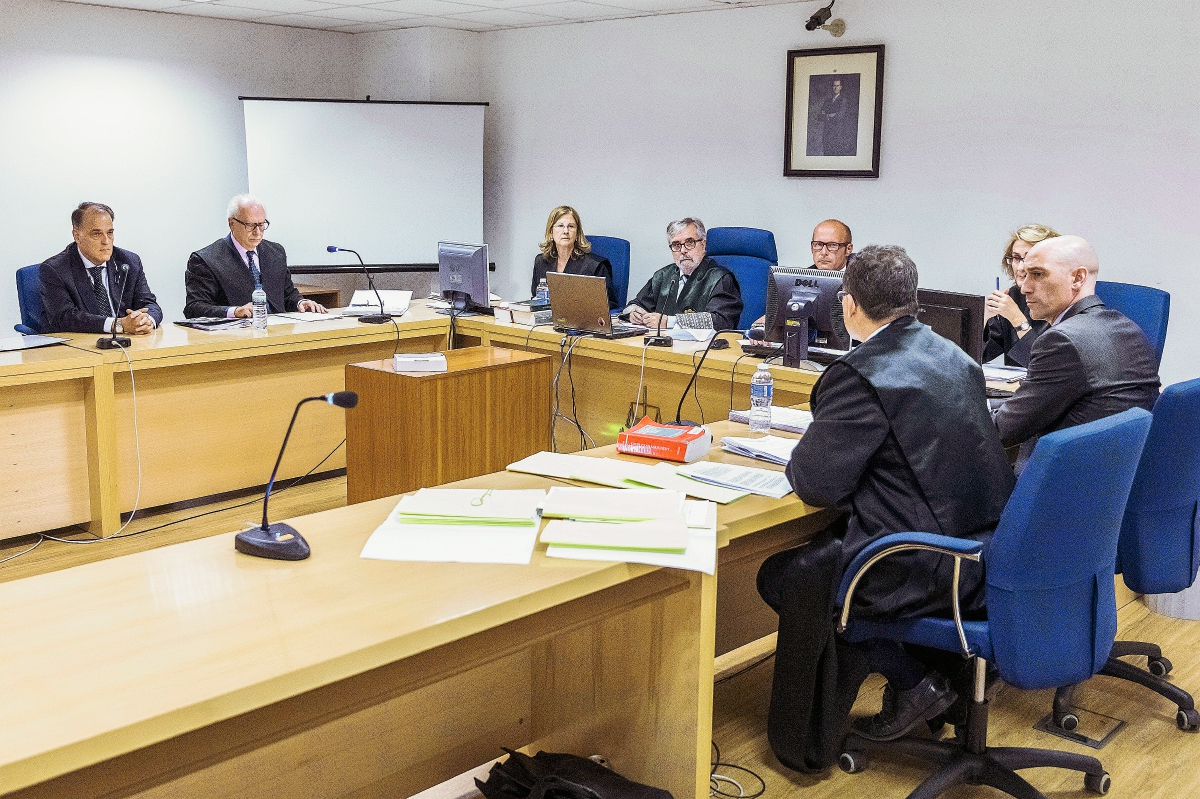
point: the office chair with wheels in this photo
(1159, 547)
(1149, 307)
(617, 253)
(1051, 606)
(749, 253)
(29, 298)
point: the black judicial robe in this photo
(587, 263)
(711, 288)
(901, 439)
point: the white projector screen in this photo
(389, 180)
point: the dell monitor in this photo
(958, 317)
(800, 300)
(463, 273)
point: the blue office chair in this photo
(29, 297)
(749, 253)
(1159, 548)
(1148, 307)
(617, 253)
(1051, 606)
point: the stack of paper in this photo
(395, 302)
(612, 505)
(459, 525)
(744, 478)
(621, 474)
(790, 420)
(773, 449)
(699, 554)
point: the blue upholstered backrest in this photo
(1049, 568)
(749, 253)
(617, 253)
(1149, 307)
(1160, 544)
(29, 298)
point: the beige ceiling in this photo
(363, 16)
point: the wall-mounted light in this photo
(821, 20)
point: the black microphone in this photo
(114, 341)
(280, 541)
(370, 319)
(658, 339)
(712, 341)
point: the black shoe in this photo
(964, 685)
(904, 710)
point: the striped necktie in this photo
(98, 289)
(250, 257)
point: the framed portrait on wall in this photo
(834, 112)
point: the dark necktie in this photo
(98, 289)
(254, 268)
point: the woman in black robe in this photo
(566, 249)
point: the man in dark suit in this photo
(902, 440)
(221, 277)
(1091, 362)
(695, 286)
(84, 285)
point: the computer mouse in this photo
(719, 344)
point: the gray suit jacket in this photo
(1094, 363)
(217, 278)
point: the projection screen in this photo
(389, 180)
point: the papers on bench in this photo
(363, 302)
(213, 323)
(791, 420)
(301, 316)
(743, 478)
(1009, 374)
(621, 474)
(611, 504)
(698, 521)
(459, 525)
(773, 449)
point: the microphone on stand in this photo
(280, 541)
(369, 319)
(658, 339)
(115, 342)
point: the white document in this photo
(657, 535)
(791, 420)
(772, 449)
(293, 317)
(747, 478)
(691, 333)
(1009, 374)
(612, 504)
(700, 555)
(451, 543)
(466, 505)
(663, 475)
(621, 474)
(395, 302)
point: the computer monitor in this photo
(463, 274)
(958, 317)
(800, 300)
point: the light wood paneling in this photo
(490, 408)
(44, 456)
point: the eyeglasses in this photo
(687, 245)
(841, 295)
(563, 226)
(1013, 259)
(831, 246)
(261, 227)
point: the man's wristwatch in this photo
(118, 326)
(1024, 326)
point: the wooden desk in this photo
(323, 295)
(490, 407)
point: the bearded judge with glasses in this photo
(695, 290)
(221, 277)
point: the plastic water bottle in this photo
(259, 300)
(762, 386)
(543, 292)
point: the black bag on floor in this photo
(548, 775)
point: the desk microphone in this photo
(115, 342)
(280, 541)
(658, 339)
(370, 319)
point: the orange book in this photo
(680, 443)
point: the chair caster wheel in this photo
(1097, 783)
(1188, 720)
(1159, 667)
(852, 762)
(1068, 722)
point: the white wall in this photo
(138, 110)
(995, 114)
(420, 64)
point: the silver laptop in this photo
(579, 303)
